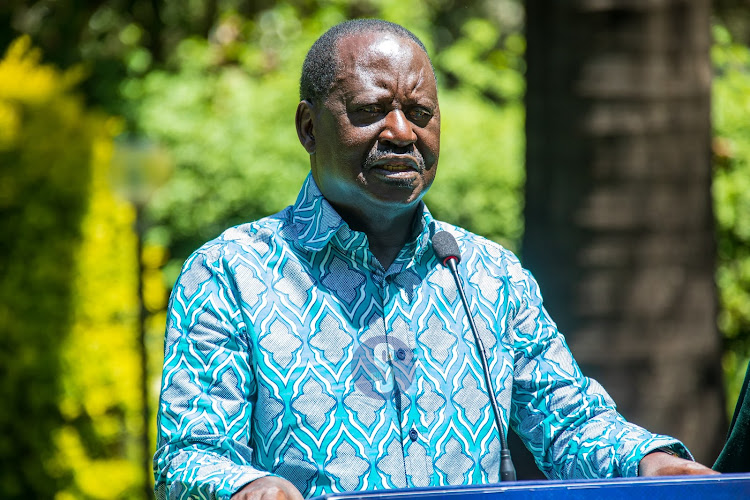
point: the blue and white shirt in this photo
(291, 351)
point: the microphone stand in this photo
(507, 470)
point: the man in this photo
(325, 348)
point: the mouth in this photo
(400, 169)
(396, 166)
(388, 167)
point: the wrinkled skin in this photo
(374, 142)
(659, 463)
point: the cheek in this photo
(436, 146)
(347, 134)
(344, 144)
(431, 145)
(351, 141)
(429, 176)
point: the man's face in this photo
(377, 135)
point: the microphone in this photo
(446, 250)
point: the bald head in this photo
(319, 68)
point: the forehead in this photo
(380, 58)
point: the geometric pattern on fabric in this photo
(289, 350)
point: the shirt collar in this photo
(317, 223)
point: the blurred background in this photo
(605, 141)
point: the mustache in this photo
(380, 156)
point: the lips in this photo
(400, 168)
(397, 164)
(396, 167)
(402, 172)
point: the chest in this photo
(384, 366)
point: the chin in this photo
(404, 197)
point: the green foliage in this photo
(731, 191)
(67, 360)
(230, 135)
(481, 174)
(46, 142)
(100, 401)
(479, 60)
(125, 38)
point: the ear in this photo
(305, 127)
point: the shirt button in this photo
(401, 354)
(413, 434)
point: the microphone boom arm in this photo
(507, 470)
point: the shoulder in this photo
(249, 243)
(488, 263)
(474, 246)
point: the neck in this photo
(387, 234)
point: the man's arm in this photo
(658, 463)
(205, 409)
(569, 421)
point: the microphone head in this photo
(445, 247)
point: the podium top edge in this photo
(536, 485)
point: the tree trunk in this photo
(619, 222)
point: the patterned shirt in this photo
(291, 351)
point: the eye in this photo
(372, 109)
(420, 114)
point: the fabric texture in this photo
(291, 351)
(735, 456)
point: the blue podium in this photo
(718, 487)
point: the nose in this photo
(397, 130)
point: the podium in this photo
(718, 487)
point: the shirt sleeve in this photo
(568, 421)
(207, 387)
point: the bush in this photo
(45, 168)
(731, 191)
(66, 356)
(98, 443)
